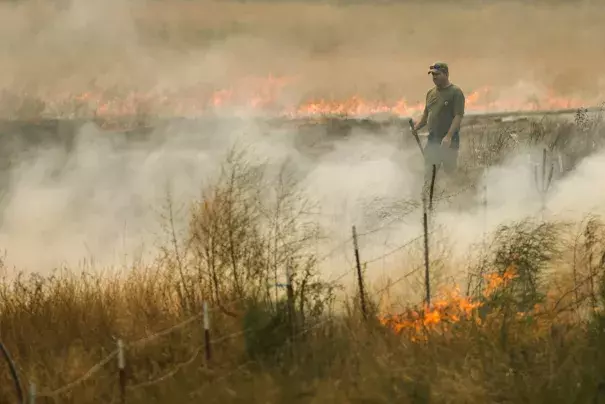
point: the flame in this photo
(496, 281)
(268, 95)
(450, 309)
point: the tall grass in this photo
(528, 327)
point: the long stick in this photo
(546, 181)
(13, 371)
(359, 276)
(415, 133)
(544, 170)
(432, 189)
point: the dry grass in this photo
(58, 328)
(537, 336)
(527, 326)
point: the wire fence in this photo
(118, 353)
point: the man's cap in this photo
(439, 67)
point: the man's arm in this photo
(454, 127)
(422, 122)
(459, 103)
(425, 114)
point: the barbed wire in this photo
(195, 354)
(99, 365)
(189, 361)
(400, 279)
(169, 374)
(394, 250)
(288, 342)
(91, 372)
(142, 341)
(375, 259)
(167, 331)
(383, 227)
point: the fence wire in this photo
(96, 368)
(194, 355)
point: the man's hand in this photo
(454, 127)
(422, 122)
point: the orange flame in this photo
(449, 310)
(269, 95)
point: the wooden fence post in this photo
(425, 227)
(32, 393)
(207, 342)
(290, 295)
(359, 275)
(122, 371)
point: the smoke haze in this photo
(375, 51)
(103, 200)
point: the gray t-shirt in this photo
(443, 104)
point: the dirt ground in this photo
(374, 50)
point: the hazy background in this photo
(371, 49)
(106, 201)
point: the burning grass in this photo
(489, 346)
(182, 58)
(525, 326)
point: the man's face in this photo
(439, 78)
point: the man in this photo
(443, 112)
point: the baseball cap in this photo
(438, 67)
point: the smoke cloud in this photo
(327, 50)
(102, 200)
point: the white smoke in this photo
(103, 200)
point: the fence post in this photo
(122, 371)
(207, 342)
(32, 393)
(359, 275)
(290, 294)
(427, 282)
(425, 227)
(291, 310)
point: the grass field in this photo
(264, 238)
(519, 319)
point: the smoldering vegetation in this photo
(515, 312)
(219, 251)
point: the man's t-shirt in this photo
(443, 104)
